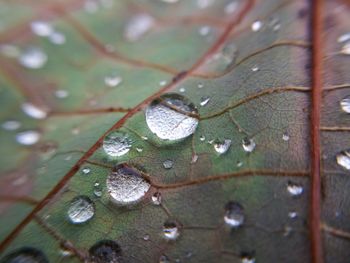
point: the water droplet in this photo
(239, 164)
(234, 214)
(156, 198)
(287, 231)
(344, 38)
(28, 137)
(170, 230)
(194, 158)
(139, 149)
(255, 68)
(285, 137)
(91, 6)
(292, 214)
(112, 81)
(33, 58)
(145, 138)
(81, 209)
(105, 251)
(247, 258)
(345, 104)
(168, 164)
(248, 145)
(204, 101)
(202, 138)
(231, 7)
(116, 144)
(126, 186)
(57, 38)
(33, 111)
(200, 85)
(274, 23)
(41, 28)
(256, 26)
(26, 255)
(182, 89)
(162, 83)
(172, 117)
(86, 170)
(204, 30)
(138, 26)
(222, 147)
(146, 237)
(11, 125)
(294, 189)
(61, 94)
(345, 49)
(204, 3)
(97, 189)
(343, 159)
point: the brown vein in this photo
(335, 231)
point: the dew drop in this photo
(137, 27)
(285, 137)
(41, 28)
(156, 198)
(146, 237)
(126, 186)
(248, 145)
(234, 214)
(26, 255)
(182, 90)
(343, 159)
(274, 23)
(112, 81)
(86, 170)
(292, 214)
(200, 85)
(294, 189)
(344, 38)
(105, 251)
(204, 30)
(81, 209)
(204, 101)
(116, 144)
(57, 38)
(255, 68)
(256, 26)
(172, 117)
(202, 138)
(345, 104)
(168, 164)
(97, 189)
(61, 94)
(11, 125)
(231, 7)
(28, 137)
(222, 147)
(194, 158)
(162, 83)
(345, 49)
(170, 230)
(247, 258)
(33, 58)
(33, 111)
(139, 149)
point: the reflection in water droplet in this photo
(344, 38)
(57, 38)
(33, 58)
(172, 117)
(105, 251)
(247, 258)
(294, 189)
(343, 159)
(239, 164)
(33, 111)
(200, 85)
(168, 164)
(25, 255)
(204, 101)
(112, 81)
(222, 147)
(345, 104)
(248, 145)
(345, 49)
(231, 7)
(156, 198)
(164, 259)
(28, 137)
(86, 170)
(256, 26)
(116, 144)
(170, 230)
(234, 214)
(81, 209)
(41, 28)
(11, 125)
(138, 26)
(126, 185)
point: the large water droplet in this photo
(294, 189)
(172, 117)
(11, 125)
(33, 111)
(126, 185)
(33, 58)
(345, 104)
(41, 28)
(116, 144)
(105, 251)
(234, 214)
(81, 209)
(25, 255)
(138, 26)
(248, 145)
(112, 80)
(168, 164)
(222, 147)
(28, 137)
(171, 230)
(343, 159)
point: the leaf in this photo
(244, 187)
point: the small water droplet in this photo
(287, 231)
(126, 186)
(200, 85)
(33, 58)
(81, 209)
(255, 68)
(117, 144)
(222, 147)
(91, 6)
(61, 94)
(345, 104)
(343, 159)
(41, 28)
(294, 189)
(26, 255)
(172, 117)
(182, 90)
(202, 138)
(204, 30)
(86, 170)
(344, 38)
(234, 214)
(204, 101)
(231, 7)
(156, 198)
(194, 158)
(105, 251)
(146, 237)
(285, 137)
(164, 259)
(256, 26)
(97, 189)
(139, 149)
(171, 230)
(345, 49)
(162, 83)
(247, 258)
(292, 214)
(112, 80)
(11, 125)
(145, 138)
(274, 23)
(28, 137)
(248, 145)
(168, 164)
(239, 164)
(138, 26)
(57, 38)
(33, 111)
